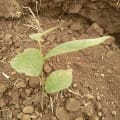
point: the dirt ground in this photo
(95, 92)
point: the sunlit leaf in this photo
(75, 46)
(58, 81)
(29, 62)
(38, 36)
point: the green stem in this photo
(41, 78)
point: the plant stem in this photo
(41, 77)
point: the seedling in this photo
(31, 61)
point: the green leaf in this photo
(75, 45)
(29, 62)
(58, 81)
(38, 36)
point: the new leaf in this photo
(29, 62)
(58, 81)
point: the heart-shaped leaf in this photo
(58, 81)
(74, 46)
(29, 62)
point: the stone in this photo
(95, 29)
(20, 115)
(98, 106)
(10, 9)
(62, 114)
(26, 117)
(20, 84)
(114, 113)
(28, 109)
(72, 104)
(34, 83)
(89, 110)
(47, 68)
(74, 85)
(3, 87)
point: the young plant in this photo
(31, 61)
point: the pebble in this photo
(34, 83)
(114, 113)
(28, 109)
(28, 92)
(100, 114)
(20, 84)
(98, 98)
(89, 110)
(89, 96)
(95, 29)
(72, 104)
(26, 117)
(79, 118)
(98, 106)
(20, 115)
(47, 68)
(74, 85)
(62, 114)
(3, 87)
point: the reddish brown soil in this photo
(95, 90)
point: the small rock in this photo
(89, 110)
(2, 102)
(28, 92)
(72, 104)
(34, 83)
(28, 109)
(79, 118)
(3, 87)
(20, 84)
(62, 114)
(98, 98)
(47, 68)
(98, 106)
(20, 115)
(74, 85)
(95, 29)
(26, 117)
(89, 96)
(114, 113)
(100, 114)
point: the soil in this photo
(94, 94)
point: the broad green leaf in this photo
(58, 81)
(38, 36)
(29, 62)
(74, 46)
